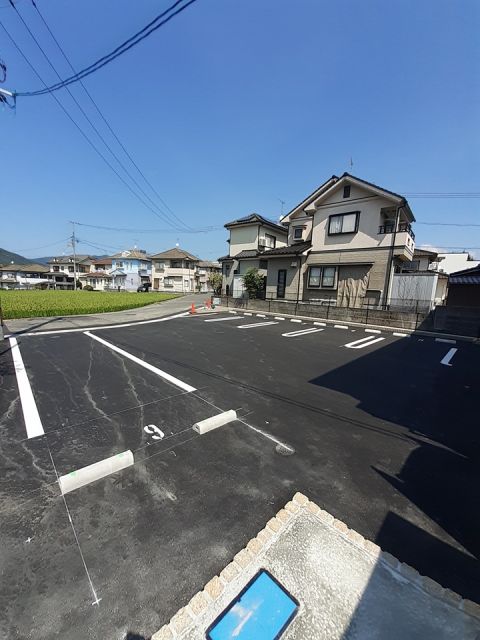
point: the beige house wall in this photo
(247, 238)
(370, 220)
(293, 277)
(243, 239)
(374, 262)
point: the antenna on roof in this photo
(283, 203)
(351, 163)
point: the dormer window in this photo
(298, 233)
(346, 191)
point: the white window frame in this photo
(300, 236)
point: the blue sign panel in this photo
(262, 611)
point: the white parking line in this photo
(448, 357)
(221, 319)
(372, 331)
(295, 320)
(293, 334)
(232, 312)
(401, 335)
(320, 324)
(31, 416)
(142, 363)
(279, 318)
(363, 342)
(340, 326)
(248, 314)
(257, 324)
(260, 315)
(109, 326)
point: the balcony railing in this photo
(389, 227)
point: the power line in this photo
(444, 195)
(121, 49)
(107, 123)
(130, 230)
(120, 163)
(44, 246)
(449, 224)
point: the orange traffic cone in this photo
(192, 310)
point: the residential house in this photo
(417, 284)
(344, 241)
(101, 276)
(23, 276)
(453, 262)
(175, 270)
(132, 267)
(203, 272)
(250, 238)
(64, 270)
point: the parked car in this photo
(143, 288)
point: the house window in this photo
(227, 270)
(119, 265)
(269, 241)
(322, 277)
(70, 269)
(263, 264)
(346, 191)
(298, 233)
(176, 264)
(343, 223)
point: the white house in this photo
(175, 270)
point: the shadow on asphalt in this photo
(135, 636)
(441, 475)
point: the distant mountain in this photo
(6, 257)
(43, 260)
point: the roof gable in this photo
(309, 204)
(175, 254)
(255, 218)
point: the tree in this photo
(215, 281)
(253, 282)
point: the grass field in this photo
(31, 304)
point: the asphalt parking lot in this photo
(380, 430)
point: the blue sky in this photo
(237, 104)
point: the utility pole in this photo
(74, 242)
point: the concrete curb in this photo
(187, 616)
(325, 322)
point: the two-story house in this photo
(132, 267)
(203, 272)
(64, 270)
(250, 238)
(344, 241)
(175, 270)
(23, 276)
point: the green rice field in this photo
(32, 304)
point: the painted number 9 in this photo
(154, 431)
